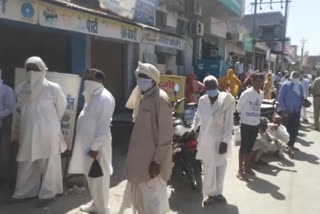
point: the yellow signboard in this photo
(167, 83)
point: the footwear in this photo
(208, 201)
(242, 176)
(44, 202)
(295, 149)
(220, 199)
(88, 208)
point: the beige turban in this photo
(135, 97)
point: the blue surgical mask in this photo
(212, 93)
(144, 84)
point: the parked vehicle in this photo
(184, 155)
(185, 149)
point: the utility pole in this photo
(303, 43)
(254, 35)
(284, 33)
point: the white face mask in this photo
(144, 84)
(90, 87)
(35, 78)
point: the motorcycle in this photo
(269, 108)
(185, 149)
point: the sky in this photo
(303, 22)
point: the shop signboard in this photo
(235, 6)
(215, 67)
(248, 45)
(70, 84)
(167, 83)
(156, 38)
(145, 11)
(19, 10)
(67, 19)
(208, 66)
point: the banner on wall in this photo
(70, 85)
(19, 10)
(67, 19)
(167, 83)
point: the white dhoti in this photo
(213, 179)
(99, 189)
(146, 198)
(42, 178)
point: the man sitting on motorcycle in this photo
(215, 113)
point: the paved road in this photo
(287, 187)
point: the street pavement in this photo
(282, 187)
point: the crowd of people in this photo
(40, 105)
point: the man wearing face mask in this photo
(93, 140)
(215, 114)
(40, 106)
(149, 160)
(290, 104)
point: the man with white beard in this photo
(215, 114)
(40, 106)
(93, 140)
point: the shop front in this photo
(168, 52)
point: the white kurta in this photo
(39, 161)
(40, 129)
(93, 133)
(216, 126)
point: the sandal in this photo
(242, 176)
(208, 201)
(220, 199)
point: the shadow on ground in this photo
(262, 186)
(273, 170)
(303, 142)
(184, 200)
(303, 156)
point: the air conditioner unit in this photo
(234, 36)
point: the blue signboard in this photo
(145, 11)
(215, 67)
